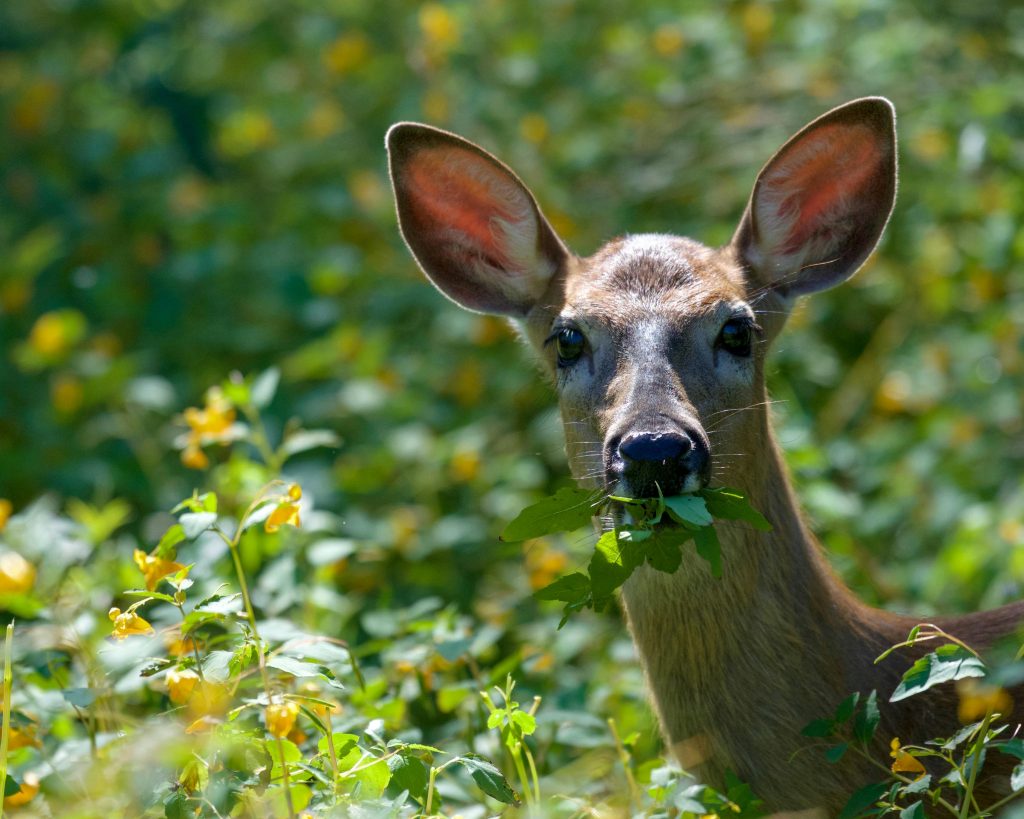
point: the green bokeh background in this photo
(197, 188)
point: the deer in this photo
(656, 347)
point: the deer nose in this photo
(654, 446)
(670, 462)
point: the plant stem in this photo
(5, 729)
(978, 747)
(251, 616)
(634, 790)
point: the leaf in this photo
(863, 799)
(615, 558)
(819, 728)
(1017, 777)
(297, 668)
(689, 509)
(79, 697)
(264, 387)
(408, 773)
(867, 719)
(489, 779)
(846, 708)
(152, 595)
(915, 811)
(835, 753)
(730, 504)
(664, 549)
(945, 664)
(172, 537)
(1013, 747)
(524, 722)
(11, 786)
(568, 509)
(307, 439)
(573, 588)
(709, 548)
(195, 523)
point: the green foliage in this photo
(658, 528)
(191, 189)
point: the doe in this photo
(656, 345)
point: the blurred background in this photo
(188, 189)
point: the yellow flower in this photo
(6, 508)
(280, 717)
(193, 457)
(215, 418)
(128, 623)
(905, 762)
(347, 52)
(287, 512)
(180, 684)
(29, 788)
(440, 29)
(204, 723)
(209, 699)
(17, 575)
(56, 332)
(155, 569)
(978, 700)
(23, 738)
(178, 646)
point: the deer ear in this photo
(474, 228)
(821, 203)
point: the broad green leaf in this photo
(664, 549)
(1017, 777)
(307, 439)
(863, 799)
(915, 811)
(408, 773)
(573, 588)
(568, 509)
(489, 779)
(615, 558)
(688, 509)
(172, 537)
(867, 718)
(730, 504)
(835, 753)
(846, 708)
(945, 664)
(1013, 747)
(372, 779)
(524, 722)
(819, 728)
(195, 523)
(708, 547)
(264, 387)
(79, 697)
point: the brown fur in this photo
(736, 666)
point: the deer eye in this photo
(735, 337)
(569, 343)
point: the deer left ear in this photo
(821, 203)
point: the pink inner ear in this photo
(821, 179)
(456, 191)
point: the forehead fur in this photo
(657, 272)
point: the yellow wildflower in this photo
(347, 52)
(215, 418)
(23, 738)
(287, 512)
(440, 29)
(17, 575)
(209, 699)
(128, 623)
(280, 717)
(29, 788)
(193, 457)
(978, 700)
(6, 508)
(180, 684)
(204, 723)
(178, 646)
(155, 569)
(56, 332)
(905, 762)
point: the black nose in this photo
(669, 461)
(654, 446)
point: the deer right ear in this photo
(474, 228)
(821, 203)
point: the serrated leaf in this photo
(570, 508)
(525, 722)
(708, 547)
(195, 523)
(408, 773)
(945, 664)
(573, 588)
(730, 504)
(688, 509)
(489, 779)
